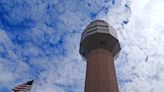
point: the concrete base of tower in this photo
(100, 74)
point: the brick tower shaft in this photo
(100, 74)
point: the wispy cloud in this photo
(40, 40)
(139, 66)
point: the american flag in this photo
(23, 87)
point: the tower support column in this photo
(100, 74)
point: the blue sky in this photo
(39, 39)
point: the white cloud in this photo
(5, 75)
(47, 88)
(43, 43)
(142, 40)
(139, 66)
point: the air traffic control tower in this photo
(99, 47)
